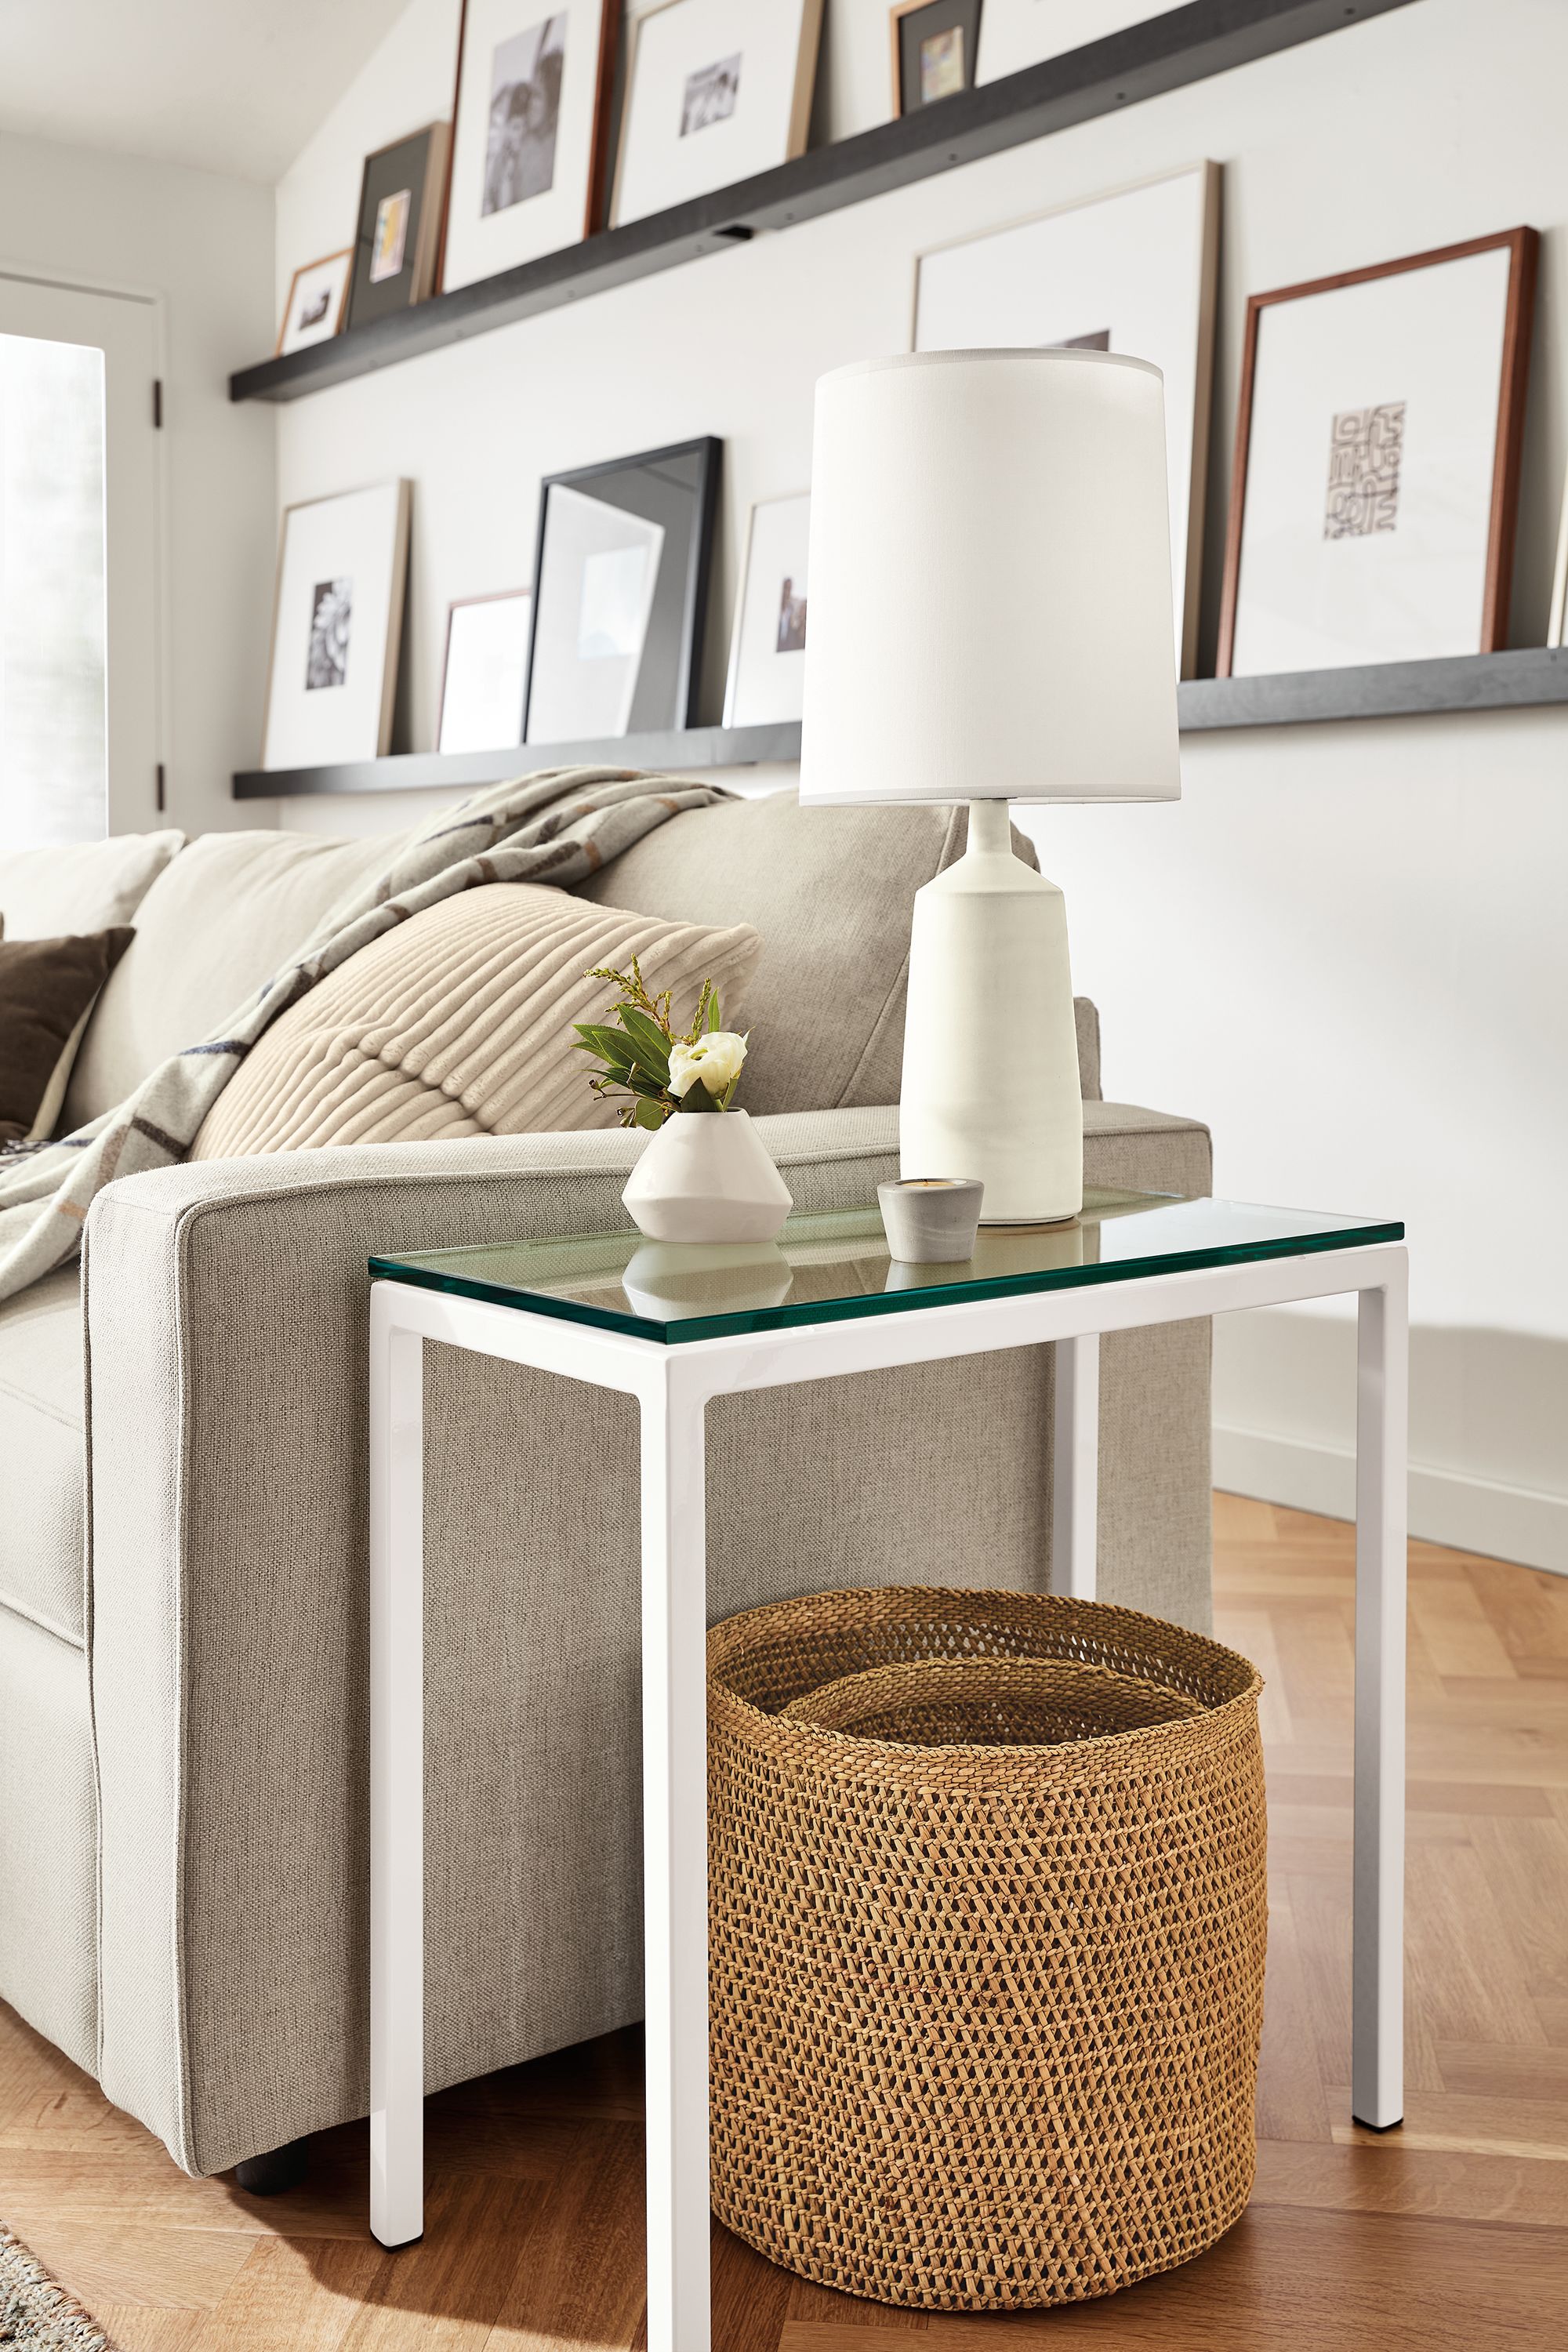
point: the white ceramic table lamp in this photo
(990, 621)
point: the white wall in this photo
(204, 243)
(1345, 948)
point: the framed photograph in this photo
(484, 673)
(716, 90)
(620, 595)
(399, 225)
(935, 43)
(1377, 447)
(317, 301)
(337, 619)
(768, 651)
(532, 125)
(1135, 271)
(1019, 33)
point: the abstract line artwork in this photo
(1364, 449)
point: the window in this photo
(80, 570)
(54, 752)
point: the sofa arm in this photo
(225, 1314)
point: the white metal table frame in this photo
(672, 1383)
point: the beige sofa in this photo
(183, 1536)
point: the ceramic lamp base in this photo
(991, 1086)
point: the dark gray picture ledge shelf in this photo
(1165, 53)
(1510, 681)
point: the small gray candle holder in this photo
(931, 1220)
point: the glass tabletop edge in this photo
(741, 1323)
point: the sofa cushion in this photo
(81, 886)
(42, 1454)
(829, 891)
(459, 1022)
(216, 924)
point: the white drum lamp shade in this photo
(990, 620)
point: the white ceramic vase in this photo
(705, 1176)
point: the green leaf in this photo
(650, 1045)
(610, 1044)
(649, 1113)
(697, 1098)
(713, 1010)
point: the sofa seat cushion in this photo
(229, 911)
(81, 886)
(42, 1455)
(459, 1022)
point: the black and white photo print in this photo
(525, 114)
(327, 655)
(711, 95)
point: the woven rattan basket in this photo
(987, 1914)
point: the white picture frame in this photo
(318, 302)
(767, 646)
(1132, 269)
(484, 671)
(715, 91)
(337, 621)
(1018, 33)
(526, 179)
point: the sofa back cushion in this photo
(216, 924)
(829, 891)
(81, 886)
(459, 1022)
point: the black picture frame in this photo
(668, 702)
(912, 22)
(415, 167)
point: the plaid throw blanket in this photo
(560, 827)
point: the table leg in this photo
(675, 1864)
(1075, 1467)
(1377, 2067)
(397, 1776)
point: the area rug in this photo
(36, 2313)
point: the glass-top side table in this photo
(674, 1325)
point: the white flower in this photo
(716, 1059)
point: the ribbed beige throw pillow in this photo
(459, 1022)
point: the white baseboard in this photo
(1471, 1514)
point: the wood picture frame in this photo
(1522, 247)
(960, 15)
(355, 541)
(752, 699)
(741, 133)
(1141, 261)
(341, 262)
(676, 607)
(591, 119)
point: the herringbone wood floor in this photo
(1451, 2233)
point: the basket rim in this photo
(1214, 1720)
(957, 1666)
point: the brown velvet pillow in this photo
(48, 988)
